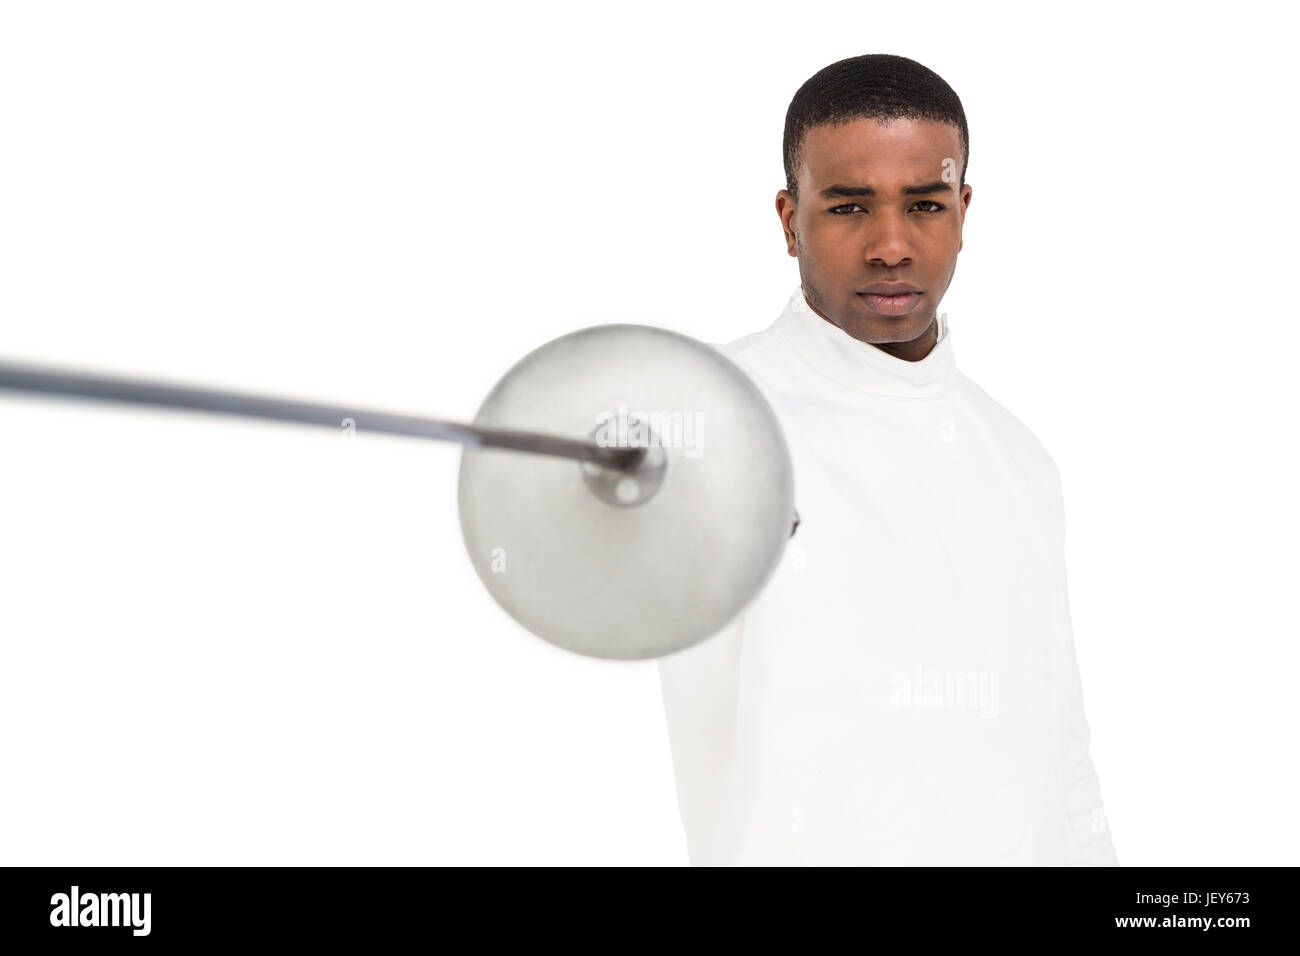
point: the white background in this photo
(228, 642)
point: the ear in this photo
(785, 211)
(966, 193)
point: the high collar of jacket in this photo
(860, 365)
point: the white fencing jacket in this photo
(905, 689)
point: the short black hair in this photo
(877, 86)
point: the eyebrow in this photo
(855, 192)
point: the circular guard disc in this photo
(640, 581)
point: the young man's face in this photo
(847, 238)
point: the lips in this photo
(890, 298)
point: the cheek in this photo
(944, 243)
(834, 244)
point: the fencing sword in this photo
(585, 514)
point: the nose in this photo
(889, 241)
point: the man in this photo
(905, 690)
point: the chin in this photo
(886, 329)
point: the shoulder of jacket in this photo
(1009, 424)
(748, 347)
(766, 358)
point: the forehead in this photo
(878, 153)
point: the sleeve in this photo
(1087, 832)
(699, 687)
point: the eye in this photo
(850, 205)
(938, 207)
